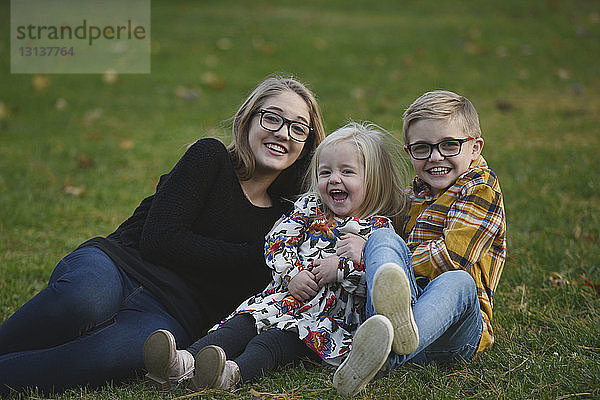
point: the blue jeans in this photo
(446, 311)
(88, 326)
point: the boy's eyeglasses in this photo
(446, 148)
(273, 122)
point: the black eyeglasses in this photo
(273, 122)
(446, 148)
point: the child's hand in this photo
(325, 270)
(350, 246)
(303, 286)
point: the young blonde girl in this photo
(317, 296)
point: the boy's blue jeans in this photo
(88, 326)
(446, 311)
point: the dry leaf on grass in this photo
(586, 282)
(557, 280)
(73, 190)
(84, 161)
(40, 82)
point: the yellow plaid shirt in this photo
(461, 228)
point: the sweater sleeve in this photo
(168, 238)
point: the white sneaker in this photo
(392, 298)
(214, 371)
(165, 364)
(370, 349)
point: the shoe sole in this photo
(159, 349)
(392, 298)
(370, 349)
(210, 363)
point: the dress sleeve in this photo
(168, 238)
(467, 234)
(281, 245)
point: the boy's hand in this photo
(303, 286)
(350, 246)
(326, 270)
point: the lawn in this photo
(79, 151)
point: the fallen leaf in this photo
(74, 190)
(587, 282)
(84, 161)
(504, 105)
(320, 44)
(110, 76)
(501, 52)
(211, 61)
(358, 93)
(185, 93)
(61, 104)
(224, 44)
(557, 280)
(40, 82)
(211, 79)
(126, 144)
(563, 74)
(4, 111)
(92, 116)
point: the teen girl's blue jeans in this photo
(87, 327)
(446, 311)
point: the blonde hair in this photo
(239, 150)
(385, 174)
(442, 104)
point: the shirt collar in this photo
(422, 190)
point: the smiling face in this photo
(341, 178)
(438, 171)
(275, 151)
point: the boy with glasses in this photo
(434, 284)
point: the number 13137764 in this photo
(46, 51)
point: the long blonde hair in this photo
(385, 173)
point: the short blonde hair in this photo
(442, 104)
(385, 174)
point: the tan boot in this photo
(214, 371)
(166, 365)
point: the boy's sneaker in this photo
(165, 364)
(214, 371)
(392, 298)
(370, 349)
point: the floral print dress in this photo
(327, 322)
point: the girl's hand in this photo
(303, 286)
(326, 270)
(350, 246)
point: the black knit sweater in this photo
(197, 243)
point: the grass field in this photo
(78, 153)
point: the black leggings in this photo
(254, 353)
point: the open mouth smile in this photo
(276, 148)
(338, 196)
(439, 171)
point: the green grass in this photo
(530, 68)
